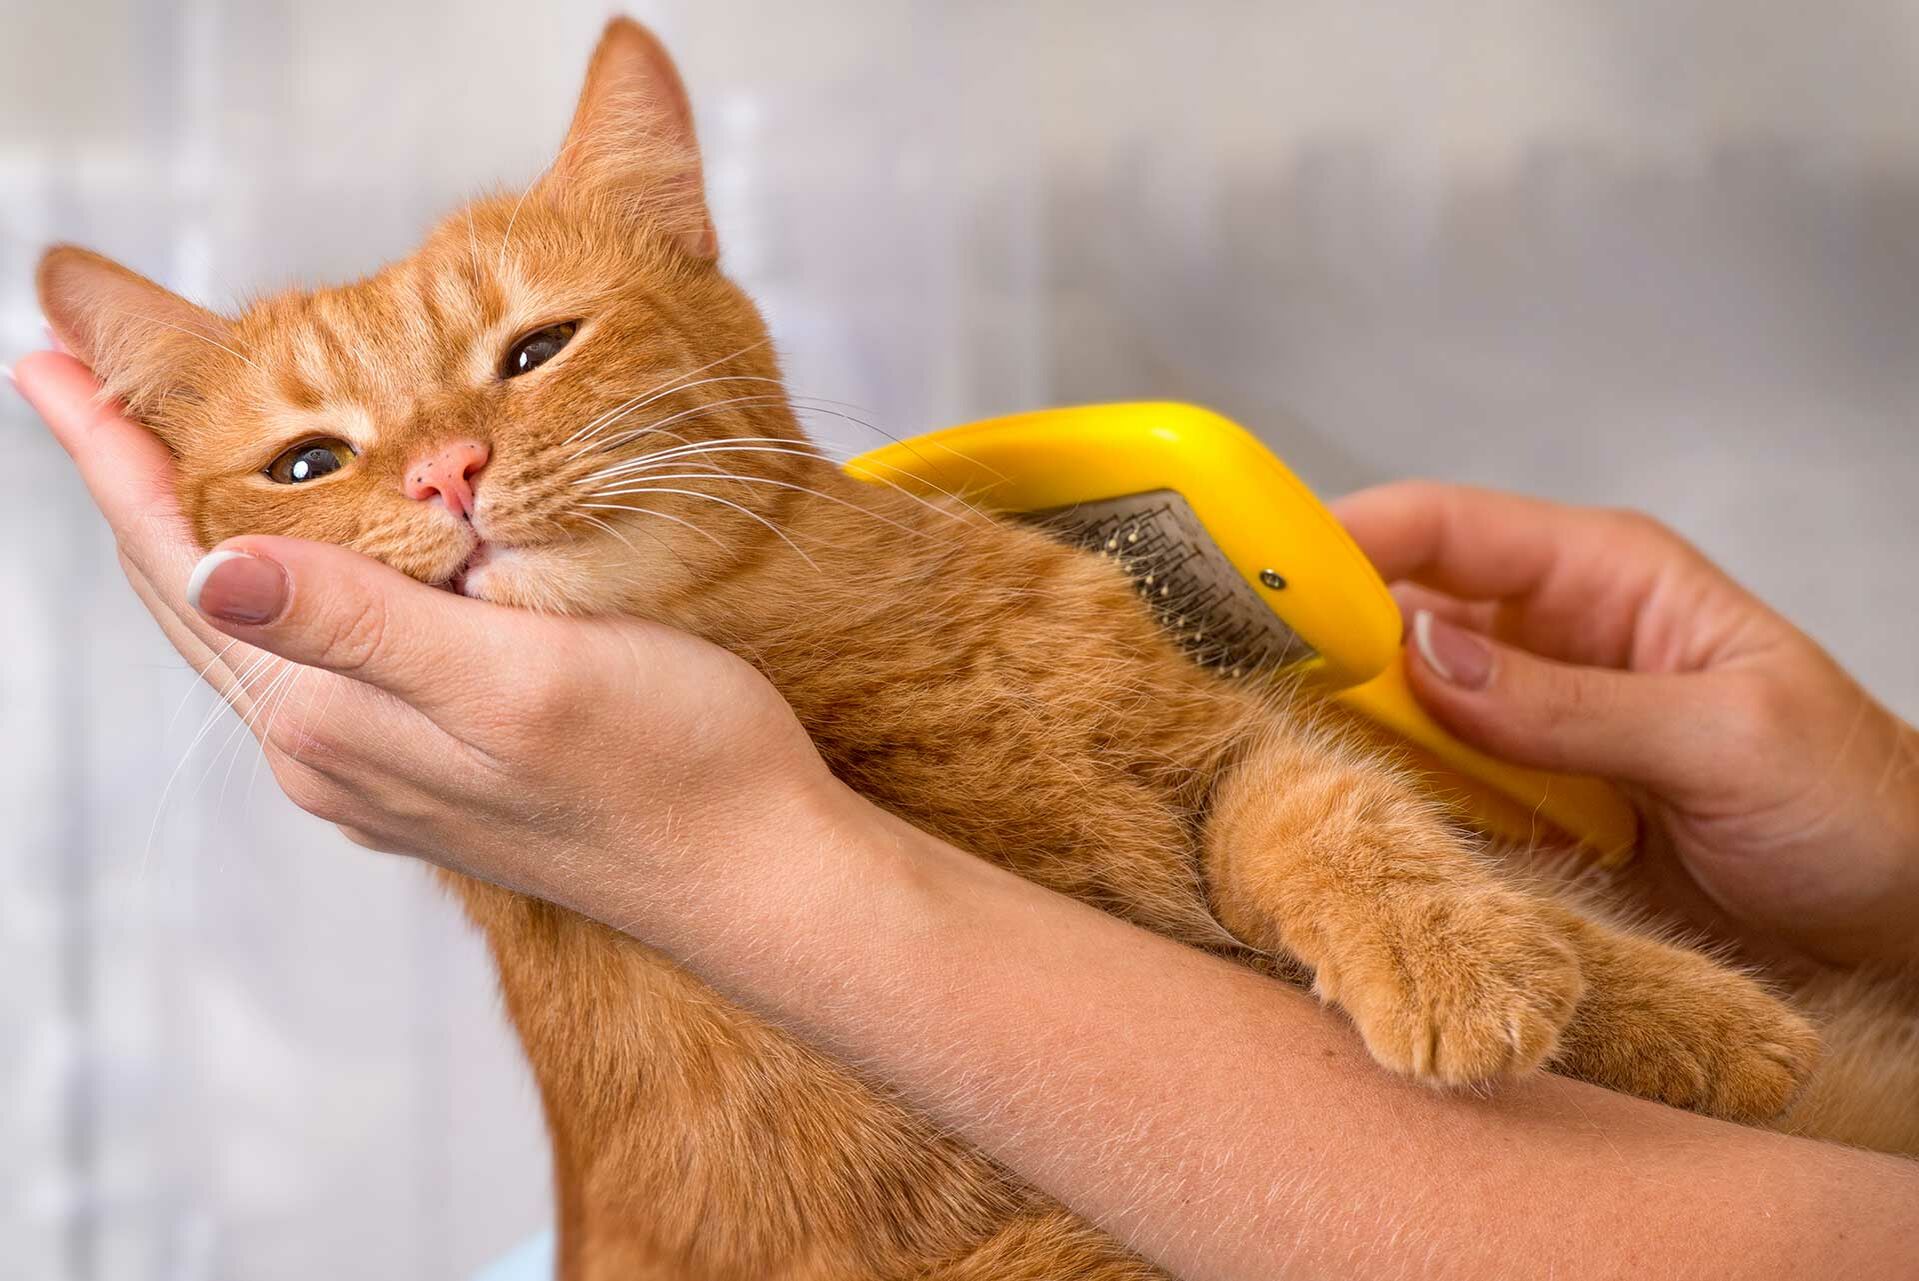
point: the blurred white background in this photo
(1650, 253)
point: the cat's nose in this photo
(449, 471)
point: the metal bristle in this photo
(1158, 541)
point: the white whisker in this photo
(197, 685)
(227, 698)
(748, 512)
(771, 445)
(801, 405)
(266, 734)
(155, 320)
(514, 218)
(694, 447)
(472, 245)
(657, 540)
(760, 480)
(710, 407)
(671, 385)
(648, 511)
(261, 711)
(600, 524)
(333, 685)
(607, 420)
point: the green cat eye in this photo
(310, 460)
(536, 348)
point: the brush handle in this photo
(1508, 800)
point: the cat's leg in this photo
(1045, 1247)
(1451, 973)
(1672, 1024)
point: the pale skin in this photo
(1225, 1125)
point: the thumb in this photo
(325, 606)
(1628, 726)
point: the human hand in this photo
(1600, 642)
(586, 761)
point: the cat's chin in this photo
(524, 577)
(495, 573)
(470, 578)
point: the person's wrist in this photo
(817, 885)
(748, 854)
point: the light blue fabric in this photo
(531, 1260)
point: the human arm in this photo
(1783, 800)
(1220, 1122)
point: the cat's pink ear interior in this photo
(633, 134)
(145, 342)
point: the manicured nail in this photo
(1457, 656)
(53, 339)
(238, 587)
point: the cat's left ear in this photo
(151, 347)
(632, 136)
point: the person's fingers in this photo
(1476, 544)
(1671, 732)
(125, 467)
(326, 606)
(130, 475)
(1480, 615)
(1591, 586)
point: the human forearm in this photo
(1223, 1123)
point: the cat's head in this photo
(464, 414)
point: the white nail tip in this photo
(204, 570)
(1423, 641)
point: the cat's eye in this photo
(310, 460)
(533, 350)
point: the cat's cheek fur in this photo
(419, 541)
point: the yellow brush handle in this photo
(1509, 800)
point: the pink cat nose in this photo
(449, 471)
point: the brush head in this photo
(1204, 603)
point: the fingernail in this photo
(1457, 656)
(53, 339)
(238, 587)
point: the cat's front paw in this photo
(1456, 987)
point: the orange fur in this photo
(990, 685)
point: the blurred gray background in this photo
(1660, 254)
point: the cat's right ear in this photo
(632, 137)
(146, 343)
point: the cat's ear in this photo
(632, 136)
(146, 343)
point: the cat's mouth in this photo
(476, 560)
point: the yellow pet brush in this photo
(1247, 570)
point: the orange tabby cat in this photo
(560, 402)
